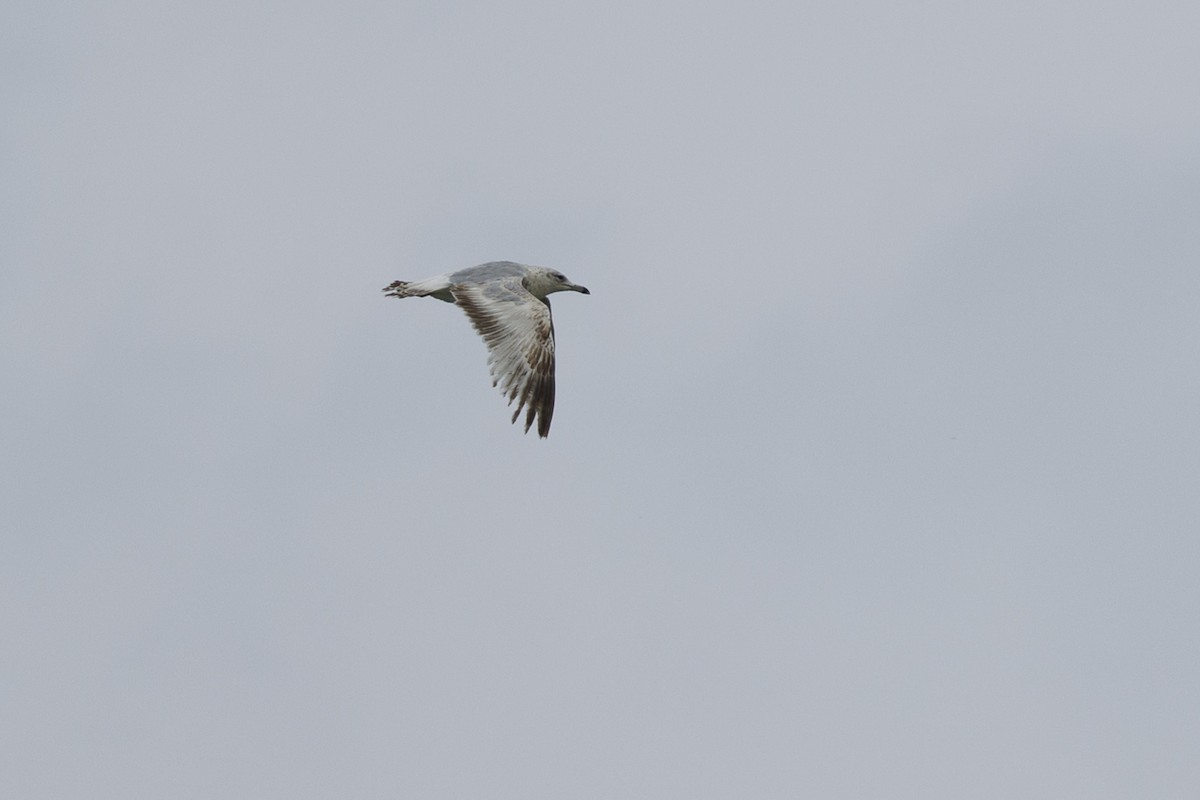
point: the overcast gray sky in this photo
(875, 471)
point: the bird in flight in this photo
(508, 305)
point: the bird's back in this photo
(493, 270)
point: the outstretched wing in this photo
(519, 333)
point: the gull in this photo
(507, 304)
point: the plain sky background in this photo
(875, 470)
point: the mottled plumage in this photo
(507, 304)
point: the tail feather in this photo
(430, 287)
(397, 289)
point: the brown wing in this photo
(519, 333)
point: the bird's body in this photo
(507, 303)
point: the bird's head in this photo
(546, 281)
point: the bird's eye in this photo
(559, 276)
